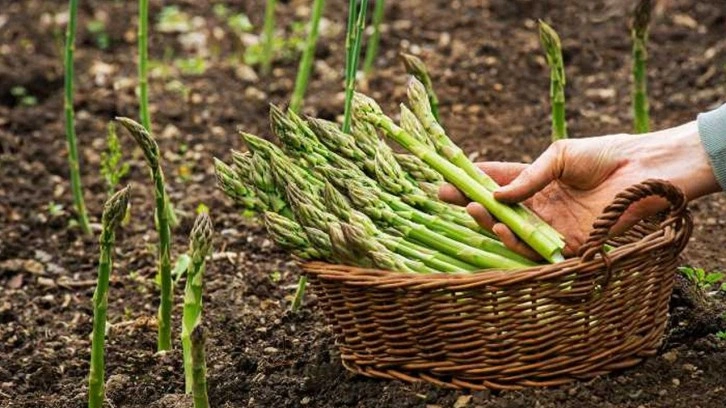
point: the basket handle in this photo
(612, 213)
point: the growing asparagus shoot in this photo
(113, 212)
(199, 367)
(356, 24)
(151, 152)
(639, 34)
(372, 47)
(268, 33)
(72, 144)
(306, 61)
(143, 45)
(553, 52)
(200, 243)
(416, 68)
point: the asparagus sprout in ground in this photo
(268, 33)
(72, 144)
(553, 52)
(416, 68)
(199, 367)
(639, 34)
(372, 47)
(113, 212)
(200, 243)
(113, 169)
(143, 45)
(306, 60)
(151, 153)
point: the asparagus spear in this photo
(639, 34)
(289, 234)
(113, 212)
(299, 293)
(269, 151)
(306, 61)
(200, 243)
(416, 68)
(371, 206)
(418, 170)
(268, 33)
(553, 51)
(151, 152)
(228, 182)
(73, 162)
(199, 368)
(367, 109)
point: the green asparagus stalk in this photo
(416, 68)
(366, 136)
(419, 170)
(372, 47)
(230, 184)
(341, 143)
(258, 173)
(113, 213)
(143, 45)
(151, 152)
(342, 250)
(306, 61)
(200, 243)
(639, 34)
(73, 162)
(199, 367)
(368, 110)
(268, 34)
(290, 235)
(381, 256)
(269, 151)
(371, 206)
(356, 24)
(320, 240)
(337, 204)
(553, 51)
(299, 294)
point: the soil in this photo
(488, 69)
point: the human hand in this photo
(571, 183)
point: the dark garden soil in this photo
(491, 79)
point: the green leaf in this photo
(180, 267)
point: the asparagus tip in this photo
(115, 207)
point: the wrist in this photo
(678, 156)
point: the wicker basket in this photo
(540, 326)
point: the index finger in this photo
(501, 172)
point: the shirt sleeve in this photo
(712, 130)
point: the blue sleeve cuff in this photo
(712, 130)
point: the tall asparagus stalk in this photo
(306, 61)
(372, 47)
(356, 24)
(151, 152)
(639, 34)
(268, 33)
(416, 68)
(73, 162)
(199, 367)
(113, 212)
(200, 243)
(553, 51)
(541, 242)
(143, 39)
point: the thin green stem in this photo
(268, 33)
(356, 24)
(113, 213)
(306, 61)
(553, 51)
(299, 294)
(143, 45)
(374, 40)
(639, 34)
(199, 368)
(73, 162)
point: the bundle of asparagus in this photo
(349, 198)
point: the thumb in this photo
(534, 178)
